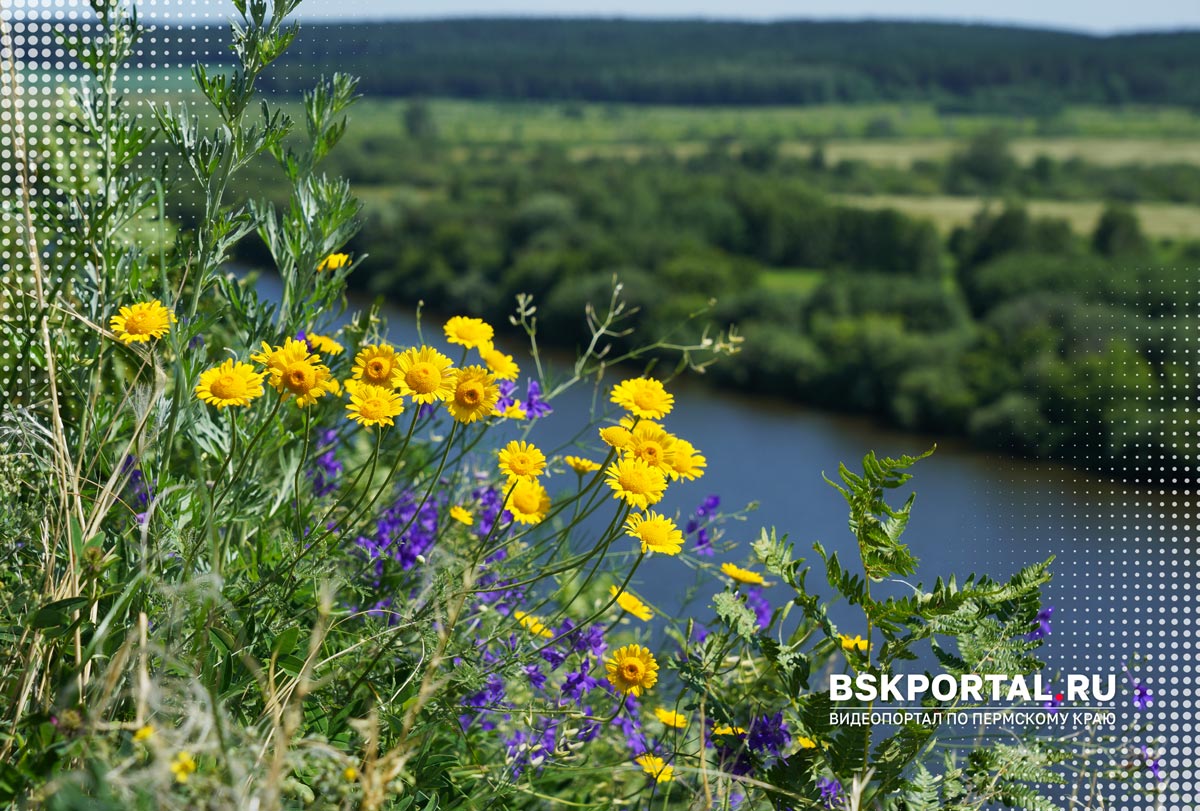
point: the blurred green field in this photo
(484, 122)
(882, 134)
(1160, 220)
(1100, 150)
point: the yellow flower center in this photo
(632, 670)
(378, 370)
(520, 463)
(527, 501)
(423, 378)
(646, 399)
(470, 393)
(373, 408)
(635, 480)
(300, 378)
(469, 333)
(140, 322)
(650, 452)
(653, 534)
(228, 387)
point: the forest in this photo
(966, 230)
(719, 63)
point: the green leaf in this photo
(57, 614)
(285, 643)
(734, 612)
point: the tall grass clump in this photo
(255, 555)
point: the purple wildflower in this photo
(536, 677)
(535, 406)
(1153, 764)
(490, 698)
(1142, 697)
(588, 640)
(1041, 625)
(327, 469)
(831, 792)
(139, 491)
(697, 525)
(590, 729)
(525, 749)
(490, 501)
(579, 683)
(762, 608)
(404, 532)
(631, 728)
(553, 657)
(507, 387)
(769, 734)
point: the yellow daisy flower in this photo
(230, 384)
(806, 743)
(350, 774)
(636, 482)
(643, 397)
(502, 366)
(676, 720)
(425, 375)
(323, 344)
(651, 443)
(373, 405)
(183, 766)
(529, 502)
(142, 321)
(656, 767)
(687, 462)
(726, 729)
(468, 332)
(853, 643)
(521, 460)
(616, 436)
(295, 372)
(335, 261)
(742, 575)
(581, 465)
(631, 604)
(515, 411)
(375, 364)
(532, 624)
(275, 358)
(632, 669)
(656, 532)
(462, 515)
(144, 733)
(475, 394)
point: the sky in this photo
(1093, 16)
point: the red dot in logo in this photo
(1058, 697)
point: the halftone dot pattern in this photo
(1162, 563)
(37, 74)
(1124, 586)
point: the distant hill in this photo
(964, 67)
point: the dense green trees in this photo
(963, 68)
